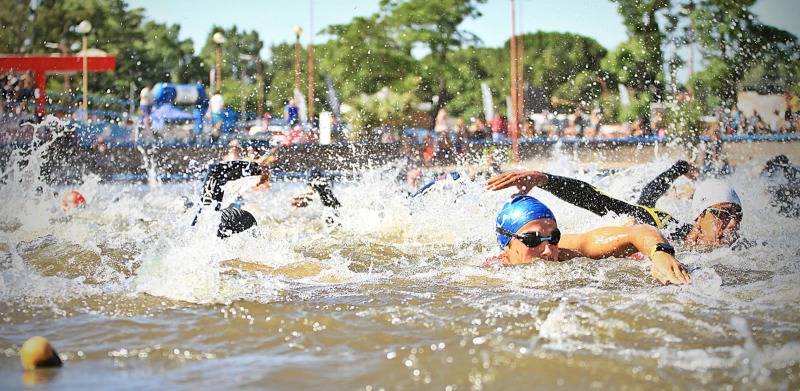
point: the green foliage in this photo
(382, 109)
(280, 87)
(639, 107)
(630, 64)
(581, 91)
(641, 17)
(737, 42)
(684, 120)
(707, 83)
(555, 59)
(470, 67)
(434, 25)
(362, 58)
(371, 53)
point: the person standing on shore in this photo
(216, 106)
(291, 114)
(499, 125)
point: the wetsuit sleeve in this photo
(220, 173)
(326, 195)
(658, 186)
(679, 234)
(586, 196)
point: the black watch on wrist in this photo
(665, 247)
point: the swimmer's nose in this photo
(547, 253)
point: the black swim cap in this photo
(233, 221)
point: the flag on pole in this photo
(624, 96)
(301, 105)
(488, 109)
(332, 97)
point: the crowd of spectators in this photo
(17, 92)
(737, 122)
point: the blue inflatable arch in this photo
(183, 94)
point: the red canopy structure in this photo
(41, 66)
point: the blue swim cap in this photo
(518, 212)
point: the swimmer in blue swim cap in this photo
(527, 231)
(716, 207)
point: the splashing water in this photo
(387, 297)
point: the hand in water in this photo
(301, 201)
(668, 270)
(524, 181)
(693, 172)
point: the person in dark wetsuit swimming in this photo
(784, 186)
(221, 173)
(716, 205)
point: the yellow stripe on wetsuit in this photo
(653, 212)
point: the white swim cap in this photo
(711, 192)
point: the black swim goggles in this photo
(532, 239)
(725, 215)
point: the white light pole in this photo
(219, 39)
(84, 28)
(297, 31)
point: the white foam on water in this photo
(136, 239)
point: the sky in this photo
(274, 20)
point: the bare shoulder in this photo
(597, 243)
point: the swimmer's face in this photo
(518, 252)
(717, 226)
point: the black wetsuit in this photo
(588, 197)
(784, 187)
(221, 173)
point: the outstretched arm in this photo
(623, 241)
(325, 195)
(571, 190)
(219, 174)
(658, 186)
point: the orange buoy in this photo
(72, 198)
(36, 352)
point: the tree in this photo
(641, 17)
(434, 26)
(280, 77)
(363, 58)
(470, 66)
(735, 41)
(236, 43)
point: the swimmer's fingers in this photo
(520, 180)
(502, 181)
(668, 270)
(685, 273)
(693, 172)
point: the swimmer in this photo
(72, 199)
(527, 231)
(37, 352)
(784, 186)
(319, 184)
(233, 221)
(715, 205)
(221, 173)
(453, 175)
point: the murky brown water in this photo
(391, 298)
